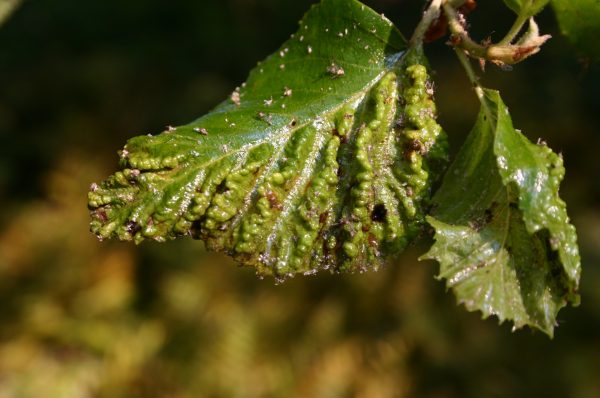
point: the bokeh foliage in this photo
(81, 318)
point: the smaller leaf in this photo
(579, 20)
(503, 237)
(527, 8)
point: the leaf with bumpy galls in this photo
(503, 237)
(323, 159)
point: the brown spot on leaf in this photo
(133, 227)
(323, 217)
(523, 52)
(102, 216)
(274, 201)
(373, 243)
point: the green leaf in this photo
(503, 238)
(579, 20)
(526, 8)
(323, 159)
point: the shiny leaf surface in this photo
(323, 159)
(503, 237)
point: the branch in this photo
(429, 17)
(514, 29)
(460, 36)
(501, 53)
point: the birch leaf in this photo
(323, 159)
(503, 237)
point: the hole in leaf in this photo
(133, 227)
(379, 212)
(195, 229)
(222, 187)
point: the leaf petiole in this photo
(514, 29)
(430, 15)
(502, 53)
(474, 79)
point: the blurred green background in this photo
(82, 318)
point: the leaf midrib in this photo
(281, 135)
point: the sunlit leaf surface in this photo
(503, 237)
(323, 159)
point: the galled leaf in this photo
(579, 20)
(323, 159)
(503, 237)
